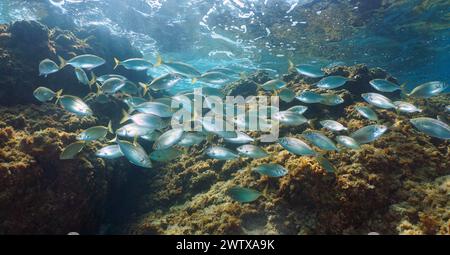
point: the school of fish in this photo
(150, 118)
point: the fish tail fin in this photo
(125, 116)
(194, 80)
(58, 95)
(311, 123)
(93, 79)
(62, 62)
(159, 60)
(404, 93)
(130, 110)
(264, 192)
(144, 86)
(110, 127)
(291, 65)
(116, 63)
(113, 140)
(99, 89)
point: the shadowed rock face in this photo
(25, 43)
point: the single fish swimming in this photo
(432, 127)
(47, 67)
(135, 154)
(319, 140)
(368, 134)
(384, 85)
(271, 170)
(378, 100)
(44, 94)
(332, 82)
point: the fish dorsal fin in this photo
(110, 127)
(93, 80)
(291, 65)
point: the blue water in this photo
(409, 39)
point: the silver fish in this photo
(368, 134)
(331, 99)
(320, 140)
(217, 78)
(190, 139)
(326, 164)
(75, 105)
(309, 97)
(135, 154)
(86, 61)
(290, 118)
(165, 81)
(428, 89)
(133, 130)
(241, 138)
(82, 76)
(367, 112)
(273, 85)
(72, 150)
(220, 153)
(332, 125)
(130, 88)
(155, 108)
(406, 107)
(151, 136)
(378, 100)
(112, 85)
(271, 170)
(168, 139)
(137, 64)
(347, 141)
(432, 127)
(165, 155)
(300, 109)
(44, 94)
(109, 152)
(310, 71)
(144, 119)
(332, 82)
(243, 195)
(384, 85)
(105, 77)
(47, 67)
(179, 67)
(132, 102)
(252, 151)
(94, 133)
(296, 146)
(286, 95)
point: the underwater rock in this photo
(24, 44)
(39, 192)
